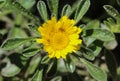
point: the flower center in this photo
(60, 41)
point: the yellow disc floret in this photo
(60, 37)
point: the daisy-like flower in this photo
(59, 37)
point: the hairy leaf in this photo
(100, 34)
(42, 10)
(38, 75)
(57, 78)
(53, 6)
(82, 9)
(30, 52)
(66, 10)
(13, 43)
(111, 11)
(95, 71)
(70, 65)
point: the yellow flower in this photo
(59, 37)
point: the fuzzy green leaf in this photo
(114, 25)
(96, 47)
(10, 69)
(92, 25)
(16, 6)
(41, 6)
(16, 32)
(13, 43)
(52, 68)
(88, 53)
(100, 34)
(66, 10)
(27, 3)
(82, 9)
(118, 1)
(34, 29)
(45, 60)
(57, 78)
(74, 6)
(88, 40)
(61, 67)
(110, 44)
(2, 3)
(111, 11)
(34, 63)
(70, 65)
(38, 75)
(30, 52)
(95, 71)
(53, 6)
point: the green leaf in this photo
(92, 25)
(34, 63)
(75, 57)
(118, 1)
(95, 71)
(34, 29)
(70, 65)
(10, 69)
(23, 60)
(61, 67)
(16, 6)
(2, 3)
(100, 34)
(16, 32)
(27, 3)
(3, 31)
(96, 47)
(111, 62)
(38, 75)
(88, 40)
(118, 70)
(111, 44)
(111, 11)
(41, 6)
(45, 60)
(13, 43)
(1, 78)
(66, 10)
(74, 6)
(57, 78)
(52, 68)
(30, 52)
(82, 9)
(19, 20)
(87, 53)
(111, 21)
(118, 75)
(113, 25)
(53, 6)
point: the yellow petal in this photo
(51, 55)
(39, 40)
(57, 55)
